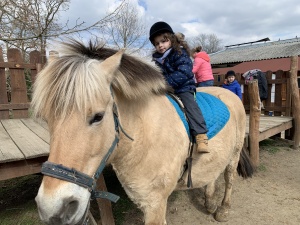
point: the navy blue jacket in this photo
(235, 87)
(177, 70)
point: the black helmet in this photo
(229, 73)
(159, 28)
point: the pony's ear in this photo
(111, 64)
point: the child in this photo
(171, 56)
(202, 68)
(232, 84)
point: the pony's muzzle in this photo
(63, 216)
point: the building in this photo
(262, 54)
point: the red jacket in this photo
(202, 67)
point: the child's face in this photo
(161, 43)
(230, 79)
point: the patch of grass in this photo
(25, 214)
(262, 168)
(270, 145)
(18, 190)
(267, 142)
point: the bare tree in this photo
(29, 24)
(128, 30)
(209, 42)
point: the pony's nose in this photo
(67, 213)
(70, 209)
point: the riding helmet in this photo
(159, 28)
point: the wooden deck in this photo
(270, 125)
(25, 143)
(24, 146)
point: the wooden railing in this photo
(278, 103)
(14, 94)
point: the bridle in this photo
(74, 176)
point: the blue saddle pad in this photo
(215, 113)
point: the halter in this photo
(72, 175)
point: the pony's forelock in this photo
(73, 81)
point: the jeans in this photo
(205, 83)
(193, 113)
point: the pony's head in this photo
(75, 93)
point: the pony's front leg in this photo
(210, 200)
(222, 213)
(155, 212)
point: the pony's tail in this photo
(245, 167)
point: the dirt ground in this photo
(270, 197)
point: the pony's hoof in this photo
(222, 214)
(211, 208)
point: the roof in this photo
(257, 51)
(264, 65)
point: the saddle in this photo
(214, 111)
(216, 115)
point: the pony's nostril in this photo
(71, 209)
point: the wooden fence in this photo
(14, 94)
(278, 103)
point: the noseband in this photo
(72, 175)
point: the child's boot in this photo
(202, 143)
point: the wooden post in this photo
(4, 114)
(35, 58)
(295, 100)
(104, 205)
(254, 117)
(17, 82)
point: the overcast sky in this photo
(233, 21)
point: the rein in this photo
(72, 175)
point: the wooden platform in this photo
(270, 125)
(24, 146)
(25, 143)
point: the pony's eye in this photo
(96, 118)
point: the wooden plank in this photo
(278, 93)
(17, 65)
(8, 149)
(18, 84)
(37, 128)
(3, 92)
(275, 130)
(14, 106)
(268, 122)
(28, 142)
(21, 168)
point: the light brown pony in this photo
(75, 94)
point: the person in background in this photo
(202, 68)
(174, 61)
(232, 84)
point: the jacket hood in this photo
(203, 55)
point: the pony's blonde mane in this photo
(73, 81)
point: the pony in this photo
(102, 104)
